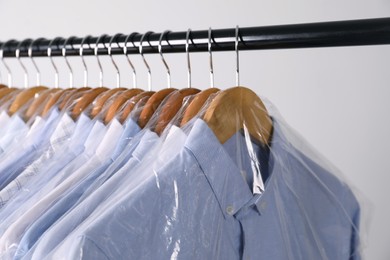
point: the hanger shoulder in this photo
(39, 101)
(101, 100)
(119, 101)
(4, 93)
(171, 107)
(70, 95)
(53, 99)
(152, 104)
(196, 104)
(133, 102)
(3, 86)
(86, 99)
(23, 97)
(236, 108)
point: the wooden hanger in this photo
(118, 102)
(200, 98)
(42, 103)
(234, 108)
(86, 99)
(71, 95)
(58, 98)
(152, 105)
(196, 104)
(155, 100)
(5, 93)
(22, 98)
(101, 100)
(3, 86)
(144, 96)
(171, 107)
(38, 103)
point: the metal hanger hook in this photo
(17, 55)
(38, 82)
(118, 76)
(189, 83)
(71, 39)
(49, 51)
(211, 59)
(143, 57)
(81, 52)
(96, 50)
(131, 36)
(162, 57)
(237, 57)
(9, 73)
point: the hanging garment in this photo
(86, 190)
(198, 206)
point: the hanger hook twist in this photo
(96, 51)
(70, 39)
(237, 57)
(81, 52)
(118, 76)
(189, 79)
(17, 55)
(211, 59)
(49, 52)
(30, 55)
(9, 73)
(131, 36)
(165, 33)
(143, 58)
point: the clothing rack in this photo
(308, 35)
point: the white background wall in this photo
(337, 98)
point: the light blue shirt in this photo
(38, 187)
(146, 151)
(13, 163)
(138, 147)
(15, 130)
(72, 198)
(198, 206)
(14, 232)
(59, 138)
(4, 121)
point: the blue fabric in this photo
(200, 207)
(55, 212)
(40, 186)
(131, 129)
(13, 132)
(15, 161)
(93, 195)
(68, 201)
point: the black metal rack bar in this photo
(309, 35)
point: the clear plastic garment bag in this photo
(132, 173)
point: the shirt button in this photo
(230, 210)
(263, 205)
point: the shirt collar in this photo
(131, 128)
(173, 143)
(44, 127)
(110, 139)
(81, 131)
(16, 129)
(63, 131)
(97, 132)
(230, 189)
(5, 120)
(223, 175)
(147, 140)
